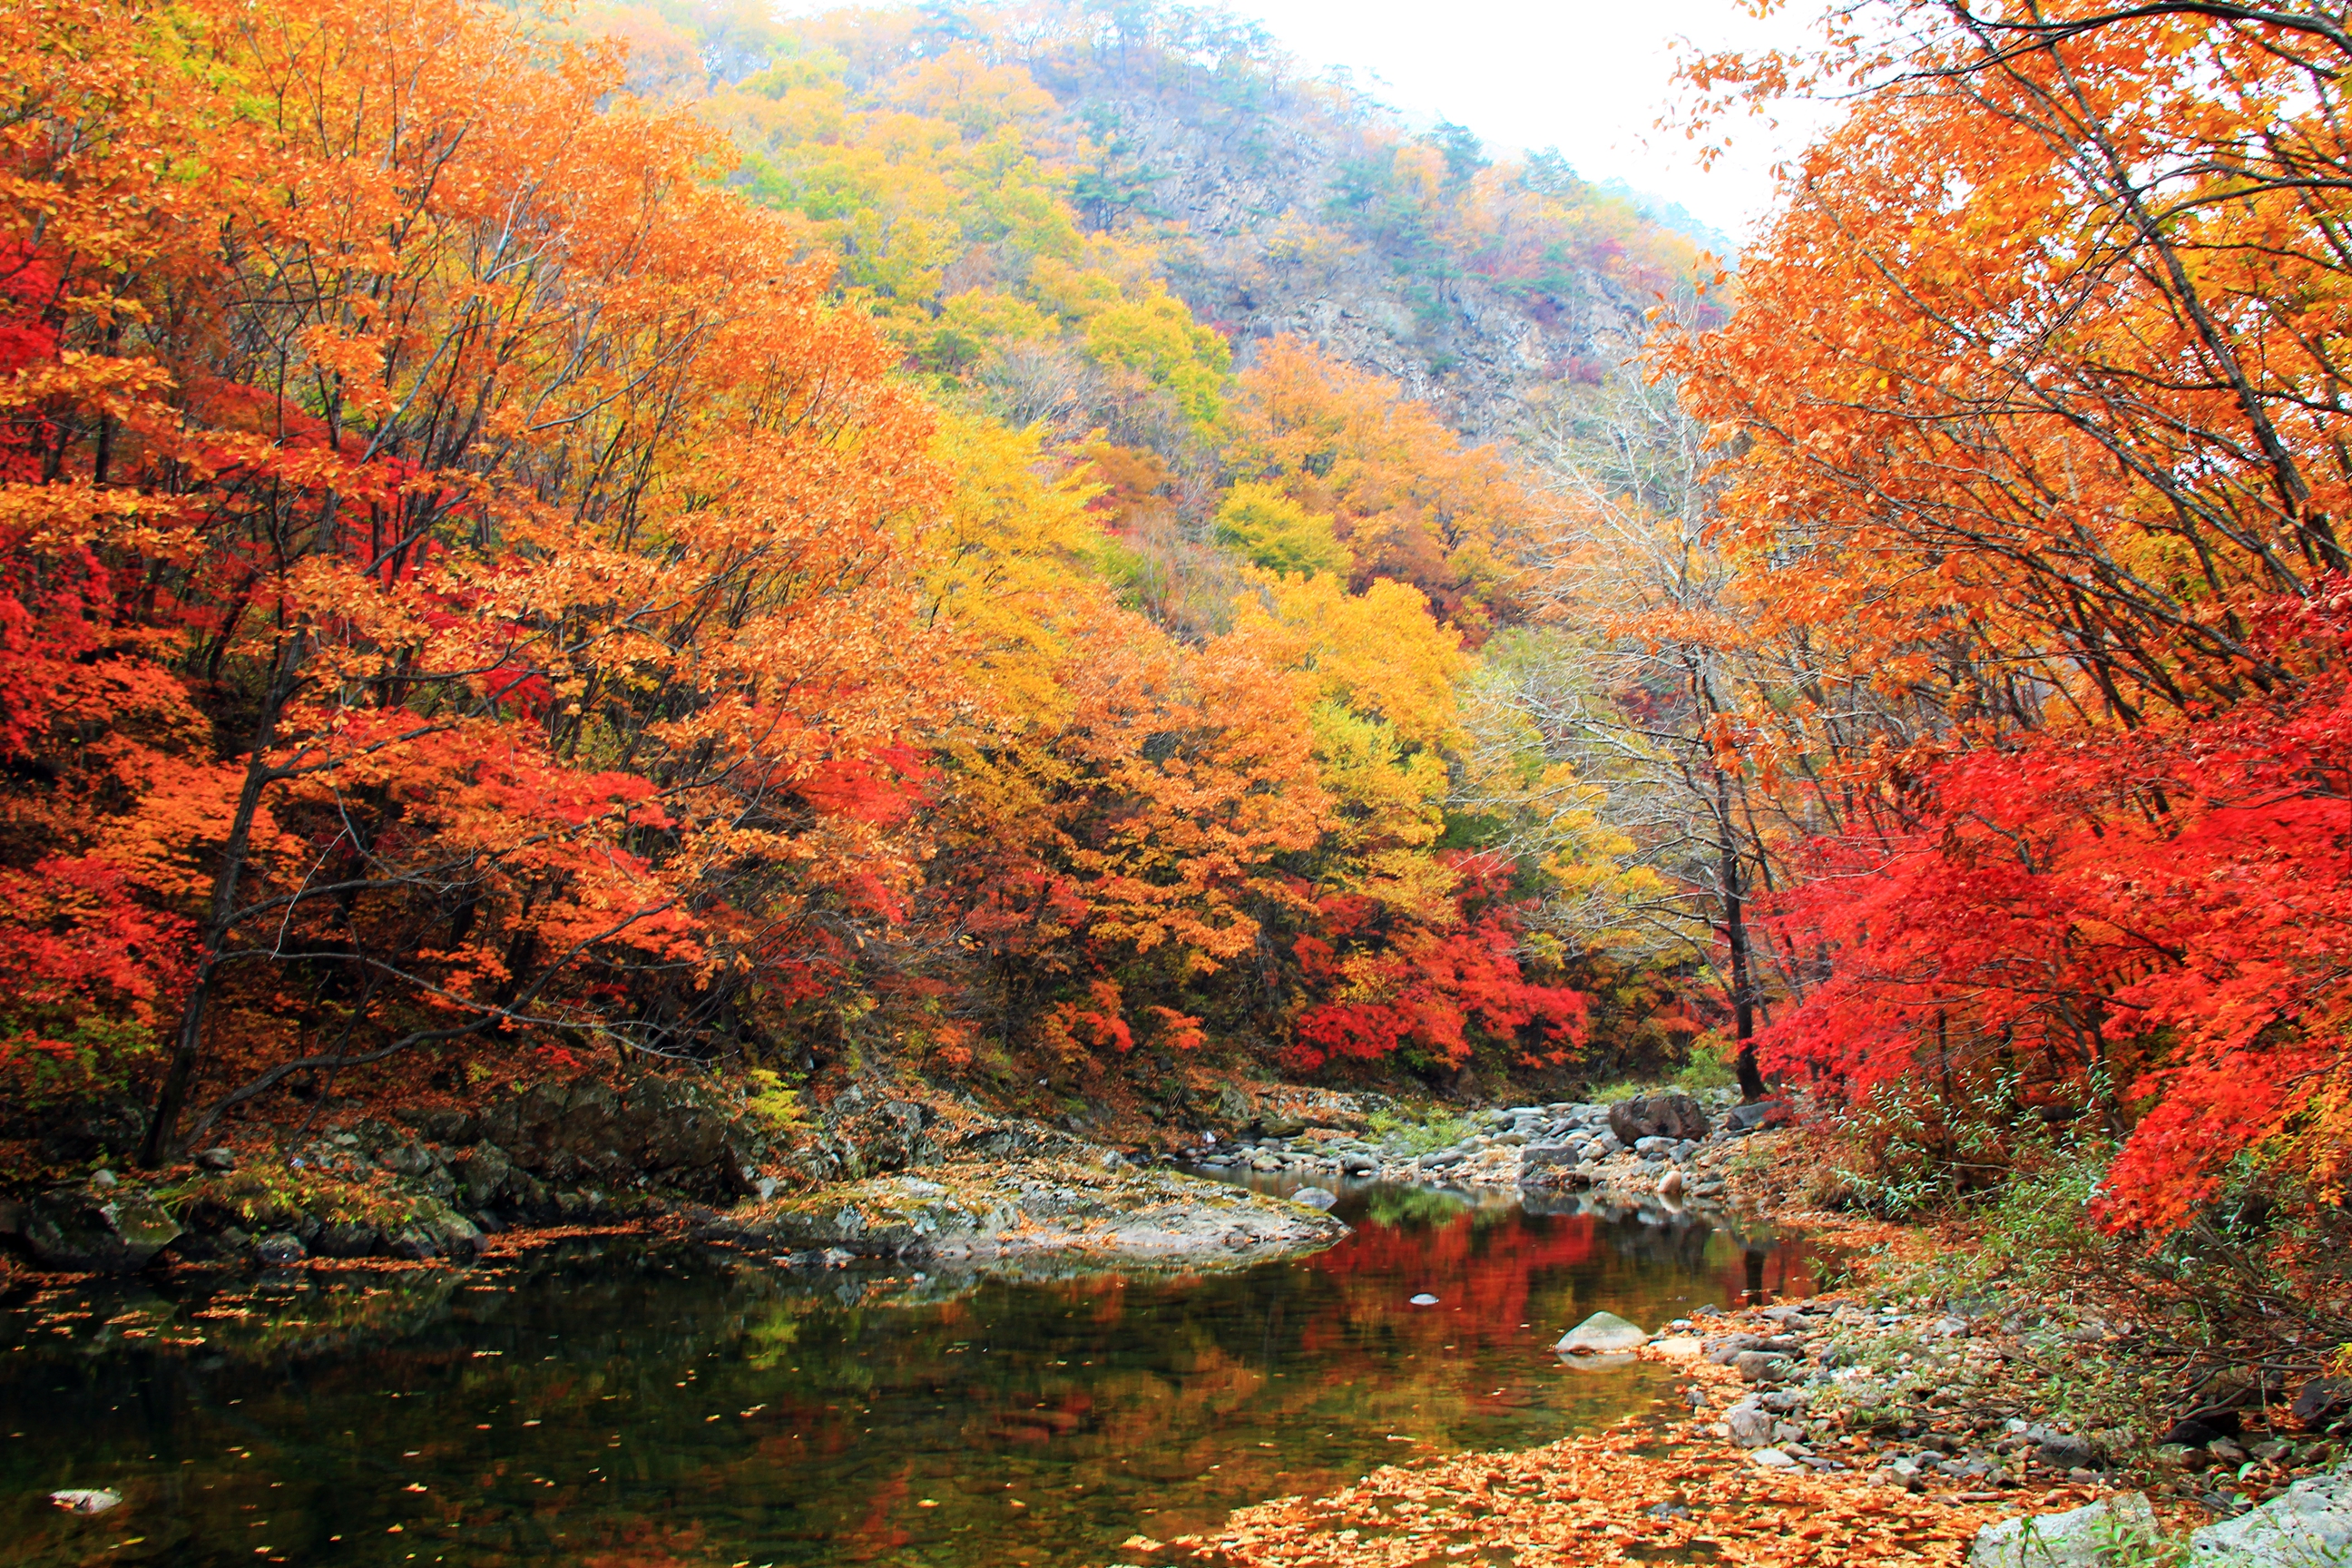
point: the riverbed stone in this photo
(1675, 1115)
(2324, 1404)
(102, 1232)
(681, 1130)
(2309, 1523)
(280, 1249)
(1760, 1366)
(485, 1170)
(2068, 1451)
(2079, 1538)
(1603, 1333)
(1751, 1424)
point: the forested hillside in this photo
(677, 537)
(989, 153)
(1042, 548)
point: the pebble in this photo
(85, 1502)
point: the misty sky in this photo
(1589, 76)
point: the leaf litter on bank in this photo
(1588, 1501)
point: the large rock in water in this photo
(1603, 1333)
(2310, 1524)
(2079, 1538)
(1553, 1165)
(1676, 1116)
(96, 1233)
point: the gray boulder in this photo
(280, 1249)
(108, 1232)
(2085, 1537)
(1751, 1424)
(1748, 1117)
(1552, 1166)
(1672, 1116)
(2067, 1451)
(354, 1239)
(1603, 1333)
(2324, 1403)
(1314, 1197)
(486, 1172)
(680, 1131)
(2309, 1526)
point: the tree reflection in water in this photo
(628, 1404)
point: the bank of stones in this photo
(1563, 1146)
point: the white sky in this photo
(1589, 76)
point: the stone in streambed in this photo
(100, 1232)
(1603, 1333)
(2068, 1451)
(2079, 1538)
(280, 1249)
(1751, 1424)
(2309, 1524)
(1314, 1197)
(1675, 1115)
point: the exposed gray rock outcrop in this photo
(678, 1131)
(985, 1211)
(2085, 1537)
(102, 1232)
(2310, 1526)
(1267, 251)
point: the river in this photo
(617, 1404)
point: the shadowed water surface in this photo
(616, 1402)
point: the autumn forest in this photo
(1042, 550)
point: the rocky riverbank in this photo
(433, 1180)
(1669, 1146)
(876, 1173)
(969, 1212)
(1837, 1430)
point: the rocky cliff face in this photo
(1268, 247)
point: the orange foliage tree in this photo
(476, 539)
(2038, 382)
(1408, 500)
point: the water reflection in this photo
(621, 1404)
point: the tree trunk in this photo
(1735, 934)
(163, 1124)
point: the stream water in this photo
(610, 1402)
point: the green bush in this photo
(1419, 1136)
(1711, 1066)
